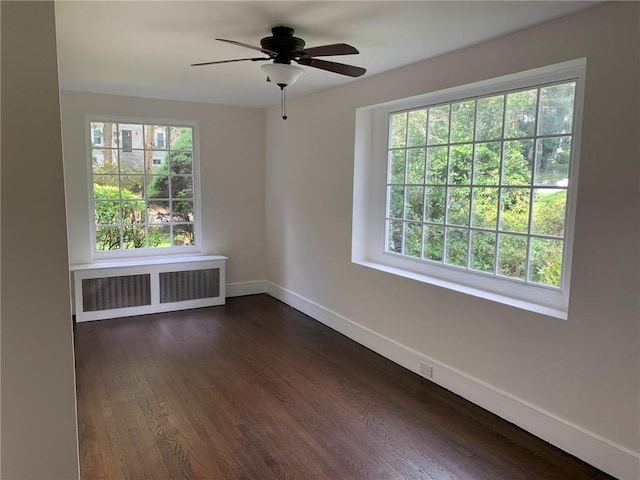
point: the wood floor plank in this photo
(255, 390)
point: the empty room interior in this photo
(320, 240)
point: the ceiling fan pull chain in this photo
(283, 106)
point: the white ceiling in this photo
(144, 48)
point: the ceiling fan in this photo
(282, 48)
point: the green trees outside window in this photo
(481, 184)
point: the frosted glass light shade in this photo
(282, 74)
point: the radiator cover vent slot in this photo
(189, 285)
(116, 292)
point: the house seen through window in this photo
(143, 186)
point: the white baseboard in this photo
(614, 459)
(245, 288)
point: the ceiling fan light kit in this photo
(282, 74)
(283, 48)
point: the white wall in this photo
(38, 396)
(231, 171)
(582, 373)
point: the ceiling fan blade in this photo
(328, 50)
(228, 61)
(341, 68)
(246, 45)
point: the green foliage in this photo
(549, 213)
(459, 168)
(110, 210)
(546, 261)
(512, 256)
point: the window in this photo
(473, 188)
(143, 188)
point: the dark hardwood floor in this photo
(257, 390)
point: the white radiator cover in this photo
(140, 286)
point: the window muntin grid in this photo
(481, 184)
(142, 184)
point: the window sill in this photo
(494, 297)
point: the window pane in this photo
(155, 137)
(462, 121)
(132, 186)
(483, 251)
(489, 118)
(460, 164)
(417, 128)
(514, 210)
(414, 203)
(521, 114)
(106, 187)
(413, 240)
(396, 161)
(134, 237)
(549, 208)
(134, 212)
(182, 211)
(182, 186)
(485, 208)
(415, 169)
(458, 205)
(433, 243)
(159, 236)
(157, 162)
(107, 238)
(512, 255)
(132, 161)
(437, 165)
(398, 130)
(395, 199)
(131, 137)
(438, 125)
(104, 134)
(434, 204)
(487, 164)
(518, 162)
(546, 261)
(107, 212)
(104, 161)
(157, 187)
(556, 109)
(183, 234)
(159, 211)
(457, 246)
(552, 161)
(394, 236)
(181, 162)
(181, 138)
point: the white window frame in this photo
(144, 252)
(369, 195)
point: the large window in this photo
(478, 185)
(143, 184)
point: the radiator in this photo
(136, 287)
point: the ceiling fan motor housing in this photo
(283, 43)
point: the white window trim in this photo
(369, 196)
(144, 252)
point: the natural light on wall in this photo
(474, 188)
